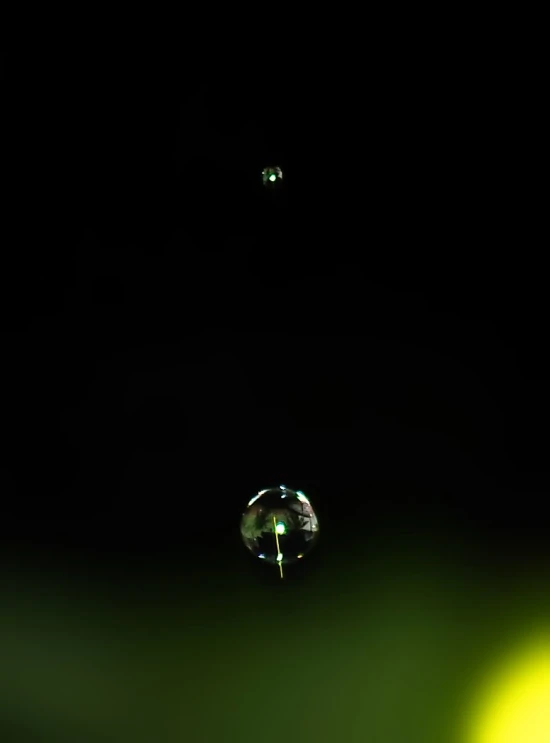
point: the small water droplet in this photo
(272, 176)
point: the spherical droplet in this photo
(279, 525)
(272, 176)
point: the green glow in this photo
(280, 528)
(515, 706)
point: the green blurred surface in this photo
(393, 647)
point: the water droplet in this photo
(279, 525)
(272, 176)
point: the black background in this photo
(391, 297)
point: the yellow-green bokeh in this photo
(514, 703)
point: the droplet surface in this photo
(272, 176)
(279, 525)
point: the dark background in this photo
(177, 337)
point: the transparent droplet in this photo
(272, 176)
(279, 525)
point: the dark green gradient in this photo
(392, 646)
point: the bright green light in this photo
(272, 177)
(515, 707)
(280, 528)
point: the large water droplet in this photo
(279, 525)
